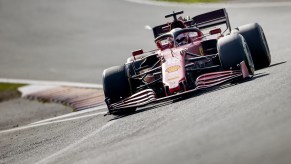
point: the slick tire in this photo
(257, 42)
(116, 87)
(232, 50)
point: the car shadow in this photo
(276, 64)
(190, 95)
(259, 75)
(146, 108)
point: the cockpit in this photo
(178, 37)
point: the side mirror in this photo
(137, 52)
(159, 45)
(215, 31)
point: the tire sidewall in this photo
(249, 60)
(232, 50)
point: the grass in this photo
(9, 91)
(191, 1)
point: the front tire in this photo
(116, 87)
(232, 50)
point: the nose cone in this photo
(173, 69)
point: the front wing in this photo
(204, 81)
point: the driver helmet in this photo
(182, 39)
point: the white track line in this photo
(29, 89)
(215, 5)
(70, 114)
(53, 122)
(71, 146)
(50, 83)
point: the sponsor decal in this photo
(201, 50)
(173, 68)
(173, 78)
(172, 60)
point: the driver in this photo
(182, 39)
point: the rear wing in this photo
(202, 21)
(211, 19)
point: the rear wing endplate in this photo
(211, 19)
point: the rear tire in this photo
(257, 42)
(116, 87)
(232, 50)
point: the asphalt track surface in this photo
(244, 123)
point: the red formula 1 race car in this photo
(192, 54)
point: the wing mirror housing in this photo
(137, 52)
(215, 31)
